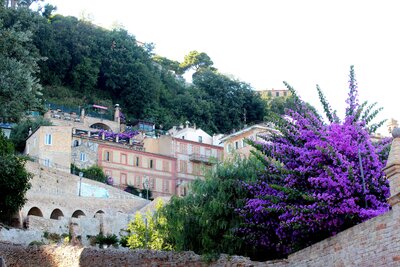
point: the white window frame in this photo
(48, 140)
(46, 162)
(83, 156)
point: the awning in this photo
(100, 107)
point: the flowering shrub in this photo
(121, 136)
(319, 178)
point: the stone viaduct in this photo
(57, 200)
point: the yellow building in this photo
(273, 93)
(51, 146)
(235, 144)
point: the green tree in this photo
(148, 231)
(205, 221)
(95, 173)
(196, 61)
(14, 180)
(20, 89)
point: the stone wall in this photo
(70, 256)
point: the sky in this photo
(265, 42)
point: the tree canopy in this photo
(14, 180)
(86, 64)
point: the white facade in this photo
(191, 134)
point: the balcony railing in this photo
(202, 158)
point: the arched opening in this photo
(99, 212)
(78, 213)
(76, 143)
(56, 214)
(35, 212)
(100, 126)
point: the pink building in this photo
(136, 168)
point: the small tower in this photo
(392, 169)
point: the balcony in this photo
(202, 159)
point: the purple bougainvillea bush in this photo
(313, 186)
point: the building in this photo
(195, 152)
(165, 164)
(90, 117)
(137, 168)
(51, 147)
(235, 144)
(273, 93)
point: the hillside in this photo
(84, 64)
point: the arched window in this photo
(35, 212)
(99, 212)
(78, 213)
(76, 142)
(56, 214)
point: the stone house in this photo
(51, 147)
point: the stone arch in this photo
(78, 213)
(35, 211)
(56, 214)
(99, 212)
(101, 126)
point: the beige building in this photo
(273, 93)
(235, 144)
(51, 146)
(93, 117)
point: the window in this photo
(244, 143)
(277, 93)
(138, 182)
(182, 148)
(165, 166)
(229, 148)
(183, 166)
(123, 179)
(137, 162)
(166, 185)
(196, 169)
(76, 142)
(285, 93)
(107, 156)
(48, 140)
(237, 145)
(123, 158)
(151, 164)
(200, 139)
(152, 183)
(47, 162)
(183, 137)
(83, 156)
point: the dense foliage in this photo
(147, 231)
(319, 178)
(205, 221)
(19, 90)
(93, 172)
(14, 180)
(86, 64)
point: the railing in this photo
(202, 158)
(94, 136)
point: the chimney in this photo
(117, 113)
(392, 169)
